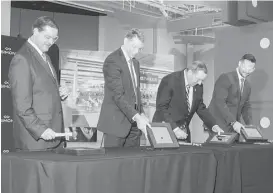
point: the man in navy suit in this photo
(122, 117)
(179, 96)
(231, 95)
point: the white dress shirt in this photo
(240, 78)
(133, 74)
(190, 94)
(41, 54)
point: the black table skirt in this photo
(244, 169)
(185, 170)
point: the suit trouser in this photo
(131, 140)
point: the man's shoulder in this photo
(175, 74)
(224, 76)
(23, 51)
(114, 54)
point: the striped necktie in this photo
(187, 95)
(48, 63)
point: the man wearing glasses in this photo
(231, 95)
(180, 96)
(37, 110)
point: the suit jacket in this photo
(36, 100)
(118, 107)
(171, 102)
(227, 105)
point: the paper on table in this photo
(162, 135)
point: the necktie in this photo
(50, 67)
(132, 72)
(187, 95)
(242, 85)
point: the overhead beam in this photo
(195, 21)
(212, 4)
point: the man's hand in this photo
(48, 134)
(143, 115)
(142, 122)
(237, 126)
(180, 134)
(217, 129)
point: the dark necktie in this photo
(133, 79)
(49, 65)
(187, 95)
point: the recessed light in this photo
(254, 3)
(264, 43)
(265, 122)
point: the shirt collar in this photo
(239, 75)
(125, 54)
(36, 48)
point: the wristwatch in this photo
(232, 123)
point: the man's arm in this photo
(21, 82)
(204, 113)
(163, 99)
(138, 81)
(113, 81)
(246, 110)
(220, 96)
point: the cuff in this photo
(176, 129)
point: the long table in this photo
(189, 169)
(118, 171)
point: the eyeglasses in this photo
(49, 38)
(136, 47)
(249, 70)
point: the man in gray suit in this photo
(122, 117)
(37, 111)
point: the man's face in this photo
(246, 67)
(45, 38)
(198, 77)
(134, 46)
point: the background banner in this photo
(9, 47)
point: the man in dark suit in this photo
(121, 117)
(231, 95)
(179, 96)
(37, 111)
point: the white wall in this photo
(5, 17)
(157, 38)
(76, 31)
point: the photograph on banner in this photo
(81, 74)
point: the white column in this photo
(5, 17)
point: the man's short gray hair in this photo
(135, 33)
(198, 66)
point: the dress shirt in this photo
(41, 54)
(190, 94)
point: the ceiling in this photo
(189, 21)
(184, 18)
(55, 7)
